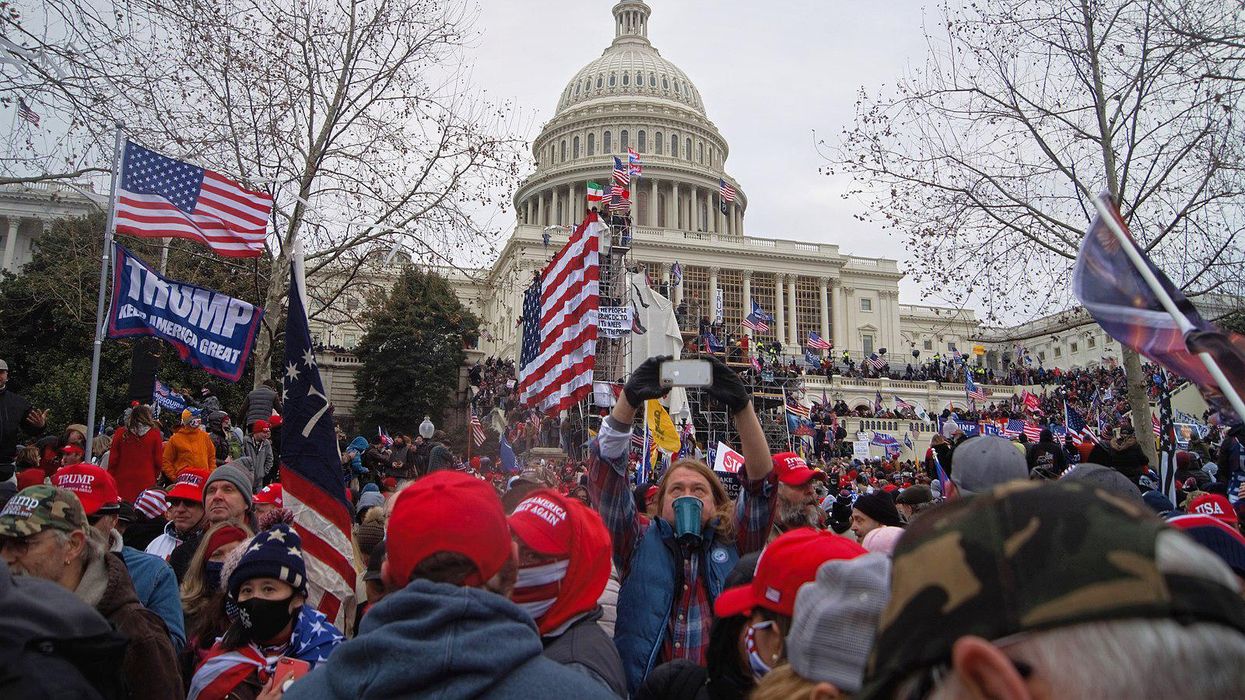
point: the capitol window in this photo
(639, 79)
(587, 85)
(626, 79)
(575, 148)
(1074, 347)
(563, 151)
(866, 304)
(1090, 342)
(576, 89)
(700, 153)
(592, 144)
(677, 87)
(641, 142)
(674, 145)
(607, 145)
(623, 143)
(1058, 352)
(657, 142)
(599, 79)
(665, 84)
(652, 80)
(613, 79)
(867, 344)
(928, 345)
(688, 150)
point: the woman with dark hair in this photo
(203, 602)
(137, 452)
(270, 620)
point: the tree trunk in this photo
(265, 340)
(1139, 404)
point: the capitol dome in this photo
(632, 99)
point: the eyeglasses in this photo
(174, 502)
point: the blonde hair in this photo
(782, 683)
(724, 508)
(196, 596)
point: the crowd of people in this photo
(166, 566)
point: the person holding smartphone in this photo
(674, 566)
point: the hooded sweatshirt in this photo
(188, 447)
(439, 641)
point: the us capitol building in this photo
(632, 97)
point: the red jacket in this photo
(134, 461)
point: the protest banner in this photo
(727, 463)
(209, 329)
(613, 321)
(860, 450)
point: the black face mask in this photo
(211, 574)
(264, 619)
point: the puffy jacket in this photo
(150, 666)
(188, 447)
(258, 405)
(135, 461)
(260, 454)
(13, 411)
(647, 594)
(434, 640)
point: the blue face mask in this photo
(757, 664)
(211, 574)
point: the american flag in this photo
(676, 274)
(876, 362)
(160, 197)
(758, 320)
(619, 203)
(477, 428)
(901, 405)
(973, 391)
(633, 162)
(311, 466)
(621, 175)
(796, 409)
(26, 113)
(877, 402)
(560, 324)
(1014, 428)
(818, 342)
(1033, 431)
(725, 190)
(1076, 425)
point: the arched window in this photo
(652, 80)
(575, 148)
(563, 156)
(641, 142)
(576, 89)
(613, 80)
(599, 80)
(606, 145)
(657, 142)
(674, 145)
(700, 152)
(623, 143)
(688, 149)
(592, 144)
(665, 83)
(639, 79)
(587, 85)
(626, 78)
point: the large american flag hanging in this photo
(560, 324)
(477, 429)
(311, 469)
(160, 197)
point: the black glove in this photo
(645, 382)
(727, 388)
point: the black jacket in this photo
(13, 411)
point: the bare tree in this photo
(986, 158)
(356, 115)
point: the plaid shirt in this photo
(687, 631)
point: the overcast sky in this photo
(770, 74)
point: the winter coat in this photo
(609, 602)
(156, 588)
(260, 453)
(135, 461)
(13, 411)
(355, 449)
(435, 640)
(187, 448)
(258, 405)
(584, 647)
(227, 444)
(150, 666)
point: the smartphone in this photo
(686, 373)
(285, 665)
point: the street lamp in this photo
(426, 429)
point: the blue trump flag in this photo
(208, 329)
(506, 455)
(315, 488)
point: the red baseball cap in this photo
(447, 511)
(275, 420)
(72, 449)
(259, 426)
(189, 485)
(541, 521)
(787, 563)
(792, 470)
(1214, 505)
(30, 477)
(95, 487)
(271, 493)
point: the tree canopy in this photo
(412, 352)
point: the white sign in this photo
(727, 460)
(860, 450)
(718, 305)
(613, 321)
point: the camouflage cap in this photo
(37, 508)
(1023, 557)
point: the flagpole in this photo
(644, 456)
(1185, 325)
(105, 258)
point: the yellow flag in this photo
(661, 426)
